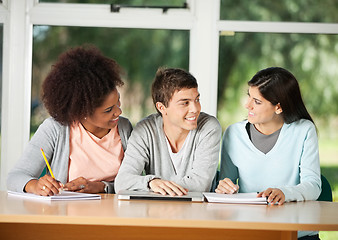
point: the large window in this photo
(311, 58)
(140, 52)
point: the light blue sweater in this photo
(292, 165)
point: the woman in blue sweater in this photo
(275, 151)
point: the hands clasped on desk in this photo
(275, 195)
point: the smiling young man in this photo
(175, 150)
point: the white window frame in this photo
(201, 19)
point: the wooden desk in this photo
(110, 218)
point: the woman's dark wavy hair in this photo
(78, 83)
(278, 85)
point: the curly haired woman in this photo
(85, 138)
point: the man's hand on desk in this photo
(275, 196)
(165, 187)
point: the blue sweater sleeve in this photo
(309, 187)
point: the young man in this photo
(177, 149)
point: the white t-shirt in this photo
(176, 158)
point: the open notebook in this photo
(64, 195)
(144, 195)
(247, 198)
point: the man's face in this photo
(183, 110)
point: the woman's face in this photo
(107, 115)
(260, 110)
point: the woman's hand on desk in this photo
(275, 196)
(44, 186)
(227, 186)
(83, 185)
(165, 187)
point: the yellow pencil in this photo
(50, 170)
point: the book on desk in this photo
(62, 196)
(243, 198)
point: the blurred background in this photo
(312, 58)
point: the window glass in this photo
(311, 58)
(286, 10)
(138, 51)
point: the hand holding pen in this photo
(46, 185)
(227, 186)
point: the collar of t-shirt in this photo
(177, 158)
(96, 159)
(263, 143)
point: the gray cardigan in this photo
(53, 138)
(147, 156)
